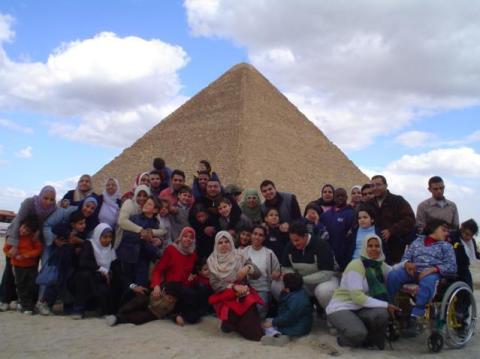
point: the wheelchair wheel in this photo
(435, 342)
(459, 313)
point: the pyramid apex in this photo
(243, 66)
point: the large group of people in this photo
(166, 250)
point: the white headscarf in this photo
(110, 209)
(104, 256)
(225, 265)
(363, 250)
(79, 195)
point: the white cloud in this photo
(459, 162)
(63, 185)
(10, 198)
(6, 32)
(25, 152)
(359, 70)
(9, 124)
(105, 81)
(415, 139)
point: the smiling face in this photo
(272, 218)
(84, 183)
(80, 225)
(245, 238)
(268, 192)
(252, 201)
(367, 194)
(145, 180)
(224, 209)
(177, 182)
(379, 187)
(258, 236)
(340, 197)
(142, 197)
(213, 188)
(186, 241)
(299, 242)
(47, 199)
(111, 187)
(356, 195)
(312, 215)
(373, 248)
(24, 230)
(224, 245)
(155, 180)
(149, 208)
(88, 209)
(327, 194)
(106, 239)
(203, 180)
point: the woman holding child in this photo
(234, 300)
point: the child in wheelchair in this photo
(425, 262)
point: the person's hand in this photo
(426, 272)
(73, 239)
(174, 210)
(139, 290)
(386, 234)
(191, 277)
(106, 275)
(276, 275)
(240, 290)
(179, 320)
(156, 292)
(209, 231)
(12, 252)
(267, 324)
(19, 257)
(283, 227)
(243, 272)
(64, 203)
(392, 309)
(411, 268)
(146, 234)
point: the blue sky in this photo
(403, 100)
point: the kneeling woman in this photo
(176, 265)
(359, 309)
(234, 301)
(93, 277)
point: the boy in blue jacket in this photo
(295, 313)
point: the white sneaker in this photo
(13, 305)
(28, 312)
(42, 308)
(277, 341)
(19, 308)
(111, 320)
(4, 307)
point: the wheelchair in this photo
(450, 317)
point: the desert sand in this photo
(62, 337)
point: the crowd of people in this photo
(166, 250)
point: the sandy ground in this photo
(62, 337)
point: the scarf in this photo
(139, 189)
(110, 209)
(41, 211)
(255, 214)
(104, 256)
(186, 251)
(373, 271)
(79, 195)
(225, 265)
(138, 180)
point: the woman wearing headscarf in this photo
(360, 307)
(75, 196)
(355, 196)
(234, 300)
(93, 277)
(40, 206)
(141, 179)
(109, 203)
(251, 205)
(59, 218)
(176, 265)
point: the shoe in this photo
(76, 316)
(19, 308)
(42, 308)
(412, 329)
(4, 307)
(28, 312)
(226, 328)
(13, 305)
(111, 320)
(276, 340)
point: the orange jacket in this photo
(29, 248)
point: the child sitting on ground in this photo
(146, 308)
(295, 317)
(25, 263)
(427, 260)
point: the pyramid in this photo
(249, 132)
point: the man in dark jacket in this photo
(395, 219)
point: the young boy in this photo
(295, 317)
(179, 213)
(205, 229)
(427, 260)
(245, 237)
(155, 183)
(466, 251)
(25, 263)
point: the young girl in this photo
(231, 218)
(276, 240)
(365, 227)
(93, 277)
(268, 264)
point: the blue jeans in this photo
(427, 284)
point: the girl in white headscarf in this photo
(93, 277)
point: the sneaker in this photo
(111, 320)
(4, 307)
(276, 340)
(76, 316)
(18, 308)
(13, 305)
(43, 309)
(412, 329)
(28, 312)
(226, 328)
